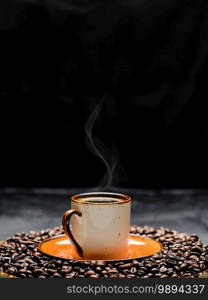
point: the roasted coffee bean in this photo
(12, 270)
(94, 276)
(81, 270)
(202, 266)
(193, 264)
(197, 270)
(154, 270)
(126, 271)
(131, 276)
(177, 269)
(133, 229)
(24, 271)
(51, 271)
(28, 272)
(17, 265)
(169, 271)
(174, 276)
(196, 249)
(66, 269)
(28, 260)
(6, 259)
(72, 274)
(163, 270)
(57, 275)
(135, 263)
(25, 265)
(124, 266)
(101, 263)
(182, 256)
(186, 254)
(113, 271)
(183, 266)
(118, 263)
(76, 269)
(90, 272)
(143, 269)
(151, 260)
(140, 273)
(171, 262)
(98, 269)
(37, 271)
(133, 270)
(148, 266)
(194, 237)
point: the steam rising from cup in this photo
(98, 148)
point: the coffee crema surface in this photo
(97, 200)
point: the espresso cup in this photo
(100, 224)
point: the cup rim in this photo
(78, 198)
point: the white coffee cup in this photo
(100, 225)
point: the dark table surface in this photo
(41, 208)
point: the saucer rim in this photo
(97, 260)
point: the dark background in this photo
(148, 59)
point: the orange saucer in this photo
(61, 247)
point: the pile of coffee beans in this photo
(183, 255)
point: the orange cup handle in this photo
(66, 226)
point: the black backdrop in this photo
(148, 59)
